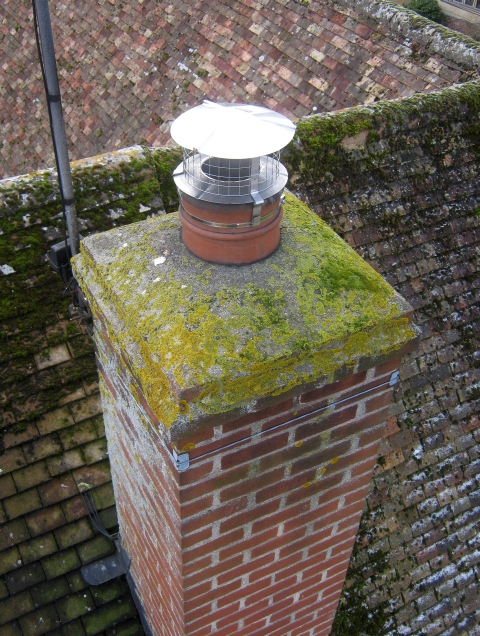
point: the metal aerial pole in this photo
(46, 52)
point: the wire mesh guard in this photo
(224, 178)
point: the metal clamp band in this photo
(231, 225)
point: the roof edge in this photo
(451, 44)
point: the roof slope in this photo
(128, 69)
(52, 441)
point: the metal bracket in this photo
(394, 378)
(108, 568)
(182, 461)
(258, 202)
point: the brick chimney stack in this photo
(244, 409)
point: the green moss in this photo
(319, 154)
(108, 615)
(32, 298)
(426, 8)
(317, 142)
(418, 21)
(223, 339)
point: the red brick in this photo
(278, 629)
(336, 387)
(205, 619)
(206, 497)
(358, 425)
(252, 542)
(251, 515)
(221, 443)
(323, 485)
(331, 592)
(366, 466)
(290, 591)
(294, 614)
(298, 546)
(280, 517)
(348, 515)
(196, 507)
(286, 485)
(288, 566)
(278, 542)
(331, 567)
(202, 631)
(192, 603)
(373, 437)
(255, 450)
(314, 460)
(325, 522)
(195, 575)
(252, 591)
(226, 478)
(191, 570)
(195, 523)
(323, 422)
(363, 456)
(252, 485)
(196, 473)
(260, 590)
(379, 401)
(281, 569)
(326, 618)
(215, 544)
(245, 613)
(335, 493)
(318, 543)
(388, 367)
(290, 453)
(246, 568)
(367, 390)
(258, 416)
(345, 545)
(187, 444)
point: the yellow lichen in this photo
(203, 338)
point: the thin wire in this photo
(292, 421)
(94, 517)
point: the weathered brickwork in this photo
(256, 533)
(406, 195)
(253, 538)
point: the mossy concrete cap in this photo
(202, 339)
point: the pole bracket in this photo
(394, 378)
(182, 460)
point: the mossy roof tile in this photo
(24, 577)
(49, 591)
(37, 548)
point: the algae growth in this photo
(207, 338)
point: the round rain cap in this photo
(232, 131)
